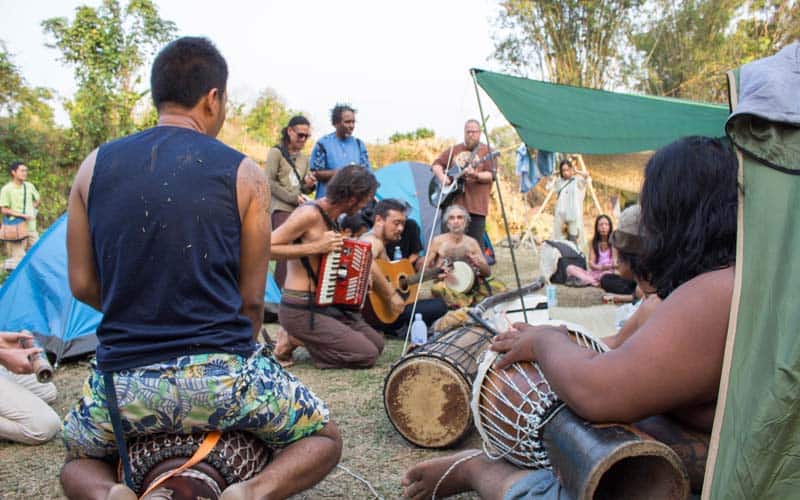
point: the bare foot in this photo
(420, 480)
(285, 345)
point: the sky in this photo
(402, 65)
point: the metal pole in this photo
(500, 198)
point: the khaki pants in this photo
(16, 250)
(25, 416)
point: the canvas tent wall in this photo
(36, 297)
(755, 449)
(408, 181)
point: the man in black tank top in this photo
(168, 235)
(335, 338)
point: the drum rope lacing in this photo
(450, 469)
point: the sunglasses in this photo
(301, 135)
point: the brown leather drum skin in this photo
(612, 461)
(237, 457)
(427, 393)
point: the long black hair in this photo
(596, 238)
(688, 219)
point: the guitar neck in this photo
(420, 277)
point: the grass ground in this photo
(373, 450)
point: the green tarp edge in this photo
(578, 120)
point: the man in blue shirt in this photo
(338, 149)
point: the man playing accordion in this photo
(335, 337)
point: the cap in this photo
(626, 237)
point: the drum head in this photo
(461, 278)
(428, 402)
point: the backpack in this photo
(568, 254)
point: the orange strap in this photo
(208, 444)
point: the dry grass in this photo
(372, 448)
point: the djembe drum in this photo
(236, 457)
(520, 419)
(427, 393)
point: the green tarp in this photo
(578, 120)
(758, 425)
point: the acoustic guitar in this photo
(403, 278)
(456, 175)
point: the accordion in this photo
(344, 275)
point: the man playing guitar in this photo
(334, 338)
(390, 218)
(478, 177)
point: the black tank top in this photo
(166, 236)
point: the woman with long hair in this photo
(290, 180)
(602, 256)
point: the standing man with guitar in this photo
(472, 167)
(394, 283)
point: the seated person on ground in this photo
(627, 243)
(669, 369)
(25, 416)
(173, 248)
(456, 245)
(335, 337)
(390, 218)
(353, 226)
(601, 256)
(409, 245)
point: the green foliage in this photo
(107, 47)
(686, 47)
(574, 42)
(28, 133)
(420, 133)
(267, 117)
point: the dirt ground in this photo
(373, 451)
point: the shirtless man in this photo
(665, 376)
(335, 338)
(390, 219)
(456, 245)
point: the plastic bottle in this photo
(397, 254)
(552, 298)
(419, 330)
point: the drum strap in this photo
(208, 444)
(116, 424)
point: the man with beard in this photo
(335, 338)
(390, 219)
(457, 245)
(337, 149)
(478, 174)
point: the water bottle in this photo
(552, 298)
(397, 254)
(419, 330)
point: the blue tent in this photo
(37, 297)
(408, 181)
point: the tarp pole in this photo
(500, 199)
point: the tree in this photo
(267, 117)
(420, 133)
(107, 46)
(686, 49)
(572, 42)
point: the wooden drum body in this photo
(521, 420)
(427, 393)
(237, 457)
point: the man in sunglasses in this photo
(337, 149)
